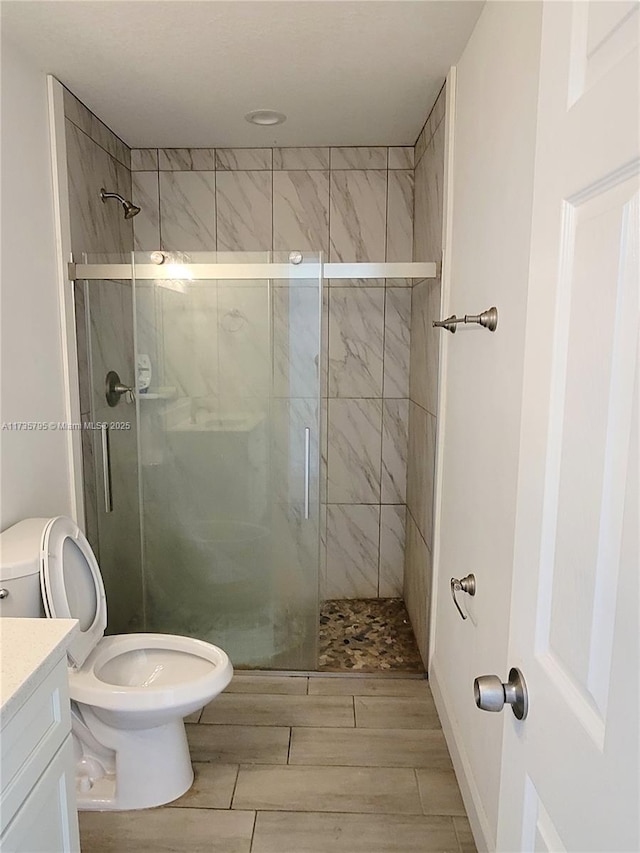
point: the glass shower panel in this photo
(110, 451)
(228, 397)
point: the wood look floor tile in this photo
(167, 830)
(439, 792)
(396, 712)
(283, 684)
(413, 687)
(465, 836)
(370, 747)
(313, 832)
(212, 786)
(238, 744)
(269, 710)
(328, 789)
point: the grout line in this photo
(289, 745)
(235, 785)
(455, 832)
(253, 829)
(415, 775)
(355, 719)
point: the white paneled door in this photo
(570, 774)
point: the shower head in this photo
(130, 209)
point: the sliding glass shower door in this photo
(228, 396)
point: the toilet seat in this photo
(142, 672)
(72, 586)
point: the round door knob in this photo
(491, 694)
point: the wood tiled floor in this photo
(305, 765)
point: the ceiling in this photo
(183, 73)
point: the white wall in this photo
(34, 476)
(494, 146)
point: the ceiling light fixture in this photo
(265, 118)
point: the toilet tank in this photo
(20, 568)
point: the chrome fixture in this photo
(4, 593)
(157, 257)
(130, 209)
(114, 389)
(466, 584)
(492, 695)
(295, 257)
(488, 319)
(106, 467)
(307, 459)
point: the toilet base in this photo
(152, 766)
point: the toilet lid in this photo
(72, 585)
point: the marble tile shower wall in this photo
(353, 204)
(97, 158)
(423, 384)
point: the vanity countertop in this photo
(29, 648)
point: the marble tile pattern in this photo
(354, 453)
(431, 124)
(96, 228)
(395, 432)
(429, 178)
(295, 341)
(356, 341)
(400, 215)
(392, 546)
(352, 551)
(417, 585)
(422, 446)
(301, 210)
(187, 211)
(381, 781)
(244, 159)
(401, 157)
(76, 112)
(359, 158)
(144, 159)
(367, 635)
(244, 211)
(358, 215)
(301, 158)
(96, 157)
(423, 378)
(351, 204)
(397, 341)
(146, 194)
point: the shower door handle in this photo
(307, 456)
(106, 468)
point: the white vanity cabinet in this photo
(37, 769)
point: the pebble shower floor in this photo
(367, 635)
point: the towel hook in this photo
(488, 319)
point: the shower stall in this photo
(206, 442)
(258, 483)
(208, 467)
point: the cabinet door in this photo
(47, 821)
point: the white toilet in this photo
(129, 692)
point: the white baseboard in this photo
(468, 788)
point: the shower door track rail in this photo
(249, 271)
